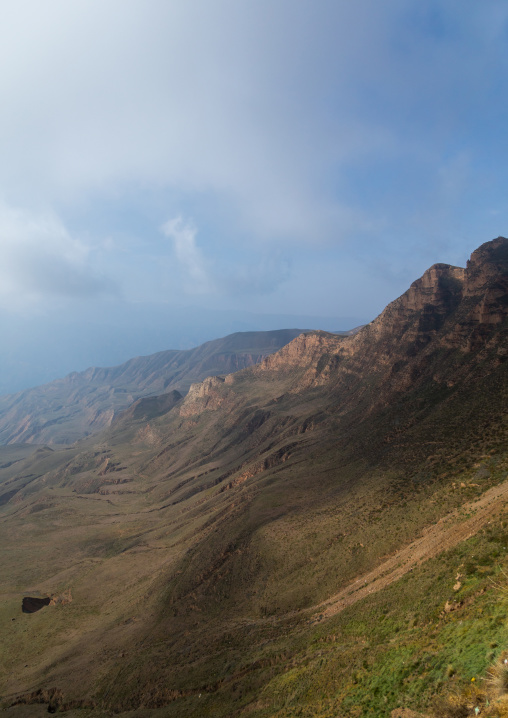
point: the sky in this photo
(173, 170)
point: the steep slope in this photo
(84, 403)
(204, 548)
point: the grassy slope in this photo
(191, 598)
(197, 547)
(394, 648)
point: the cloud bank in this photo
(262, 106)
(326, 151)
(38, 257)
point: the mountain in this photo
(320, 534)
(84, 403)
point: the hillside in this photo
(85, 402)
(321, 534)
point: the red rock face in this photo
(439, 287)
(210, 394)
(488, 265)
(485, 296)
(455, 307)
(448, 308)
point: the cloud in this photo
(40, 259)
(197, 279)
(263, 106)
(289, 123)
(233, 276)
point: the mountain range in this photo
(85, 402)
(322, 532)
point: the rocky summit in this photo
(322, 533)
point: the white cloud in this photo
(40, 259)
(197, 279)
(298, 120)
(248, 101)
(232, 277)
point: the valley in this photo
(322, 532)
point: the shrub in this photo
(498, 675)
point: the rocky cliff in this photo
(212, 543)
(448, 309)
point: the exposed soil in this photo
(453, 528)
(445, 534)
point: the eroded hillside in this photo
(205, 546)
(84, 403)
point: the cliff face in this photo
(206, 525)
(302, 353)
(488, 266)
(448, 309)
(419, 313)
(452, 305)
(210, 394)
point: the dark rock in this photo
(31, 605)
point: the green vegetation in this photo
(213, 582)
(323, 535)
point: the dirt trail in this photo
(446, 533)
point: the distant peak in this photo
(494, 251)
(488, 263)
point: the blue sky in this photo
(175, 169)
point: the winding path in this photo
(441, 536)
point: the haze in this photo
(174, 171)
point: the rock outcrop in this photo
(449, 308)
(84, 403)
(204, 542)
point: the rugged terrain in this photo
(83, 403)
(321, 534)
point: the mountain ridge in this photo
(86, 402)
(436, 303)
(198, 542)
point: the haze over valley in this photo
(253, 359)
(247, 545)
